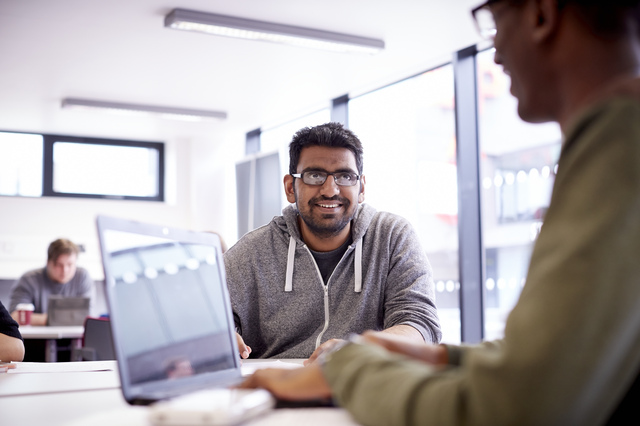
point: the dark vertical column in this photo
(252, 142)
(340, 110)
(469, 219)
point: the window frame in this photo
(48, 140)
(48, 166)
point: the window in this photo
(20, 164)
(408, 131)
(517, 170)
(51, 165)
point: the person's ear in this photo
(361, 194)
(545, 16)
(289, 189)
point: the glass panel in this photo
(82, 168)
(408, 133)
(278, 139)
(518, 163)
(20, 164)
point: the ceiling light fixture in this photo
(230, 26)
(147, 110)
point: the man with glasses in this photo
(571, 348)
(330, 265)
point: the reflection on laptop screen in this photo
(168, 305)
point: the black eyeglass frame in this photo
(335, 178)
(475, 11)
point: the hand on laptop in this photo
(299, 384)
(242, 347)
(39, 319)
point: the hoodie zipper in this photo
(326, 315)
(326, 291)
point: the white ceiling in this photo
(119, 50)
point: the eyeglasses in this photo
(483, 17)
(315, 177)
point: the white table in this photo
(51, 334)
(37, 378)
(88, 394)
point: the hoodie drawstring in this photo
(358, 267)
(288, 285)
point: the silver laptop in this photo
(67, 310)
(170, 312)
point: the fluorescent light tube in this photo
(136, 109)
(230, 26)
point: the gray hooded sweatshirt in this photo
(283, 309)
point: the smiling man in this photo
(330, 265)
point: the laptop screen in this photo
(169, 307)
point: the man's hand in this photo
(242, 347)
(431, 354)
(36, 319)
(300, 384)
(326, 346)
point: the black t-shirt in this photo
(327, 261)
(8, 325)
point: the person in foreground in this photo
(330, 265)
(11, 344)
(571, 348)
(61, 277)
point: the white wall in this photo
(199, 185)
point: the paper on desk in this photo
(62, 367)
(250, 367)
(139, 416)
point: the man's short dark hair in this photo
(605, 17)
(59, 247)
(332, 134)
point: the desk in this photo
(51, 335)
(85, 394)
(36, 378)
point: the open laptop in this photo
(67, 310)
(171, 321)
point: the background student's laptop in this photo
(67, 310)
(170, 312)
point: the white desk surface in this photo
(48, 332)
(88, 394)
(108, 408)
(34, 378)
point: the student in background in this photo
(60, 276)
(571, 348)
(330, 265)
(11, 344)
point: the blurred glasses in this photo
(483, 17)
(318, 178)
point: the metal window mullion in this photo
(469, 213)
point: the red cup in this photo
(24, 313)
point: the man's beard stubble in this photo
(331, 229)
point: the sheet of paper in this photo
(59, 367)
(250, 366)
